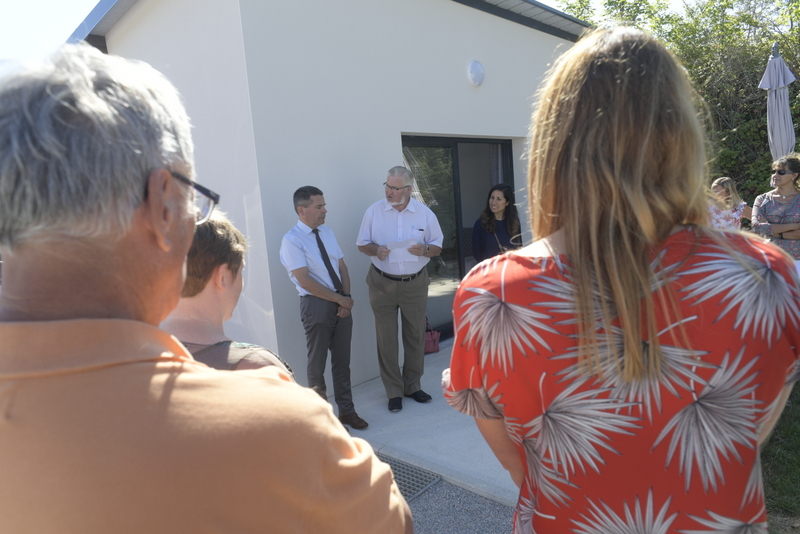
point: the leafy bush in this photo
(725, 46)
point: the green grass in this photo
(781, 461)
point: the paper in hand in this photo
(398, 251)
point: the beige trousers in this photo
(411, 298)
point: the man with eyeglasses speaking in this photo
(107, 424)
(401, 235)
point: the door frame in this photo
(506, 160)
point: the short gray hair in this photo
(404, 173)
(79, 135)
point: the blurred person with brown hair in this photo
(626, 367)
(214, 282)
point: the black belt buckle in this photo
(408, 278)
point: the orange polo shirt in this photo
(111, 426)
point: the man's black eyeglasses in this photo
(204, 202)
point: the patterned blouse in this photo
(602, 455)
(768, 211)
(730, 219)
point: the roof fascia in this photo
(101, 19)
(526, 21)
(108, 12)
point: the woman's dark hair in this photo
(790, 162)
(488, 221)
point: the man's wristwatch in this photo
(427, 249)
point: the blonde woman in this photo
(727, 209)
(625, 367)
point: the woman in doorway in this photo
(776, 214)
(626, 366)
(497, 229)
(726, 207)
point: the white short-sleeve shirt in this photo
(299, 249)
(383, 224)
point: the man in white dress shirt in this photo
(401, 235)
(315, 263)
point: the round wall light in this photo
(475, 73)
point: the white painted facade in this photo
(306, 92)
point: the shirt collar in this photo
(46, 348)
(409, 207)
(306, 229)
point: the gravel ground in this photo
(780, 524)
(447, 509)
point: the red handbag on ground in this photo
(431, 338)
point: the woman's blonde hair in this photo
(617, 160)
(733, 199)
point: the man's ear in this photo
(160, 205)
(221, 276)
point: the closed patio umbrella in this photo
(776, 79)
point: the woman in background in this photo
(727, 208)
(626, 366)
(497, 229)
(776, 214)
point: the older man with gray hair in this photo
(109, 425)
(401, 235)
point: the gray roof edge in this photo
(108, 12)
(101, 19)
(561, 14)
(531, 22)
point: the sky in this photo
(31, 29)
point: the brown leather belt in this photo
(393, 278)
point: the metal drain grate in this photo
(411, 480)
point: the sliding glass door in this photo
(453, 177)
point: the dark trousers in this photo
(325, 331)
(411, 298)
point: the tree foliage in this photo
(725, 46)
(580, 9)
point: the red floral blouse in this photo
(677, 454)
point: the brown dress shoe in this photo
(353, 420)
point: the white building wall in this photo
(334, 86)
(198, 45)
(310, 92)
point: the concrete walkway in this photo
(433, 436)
